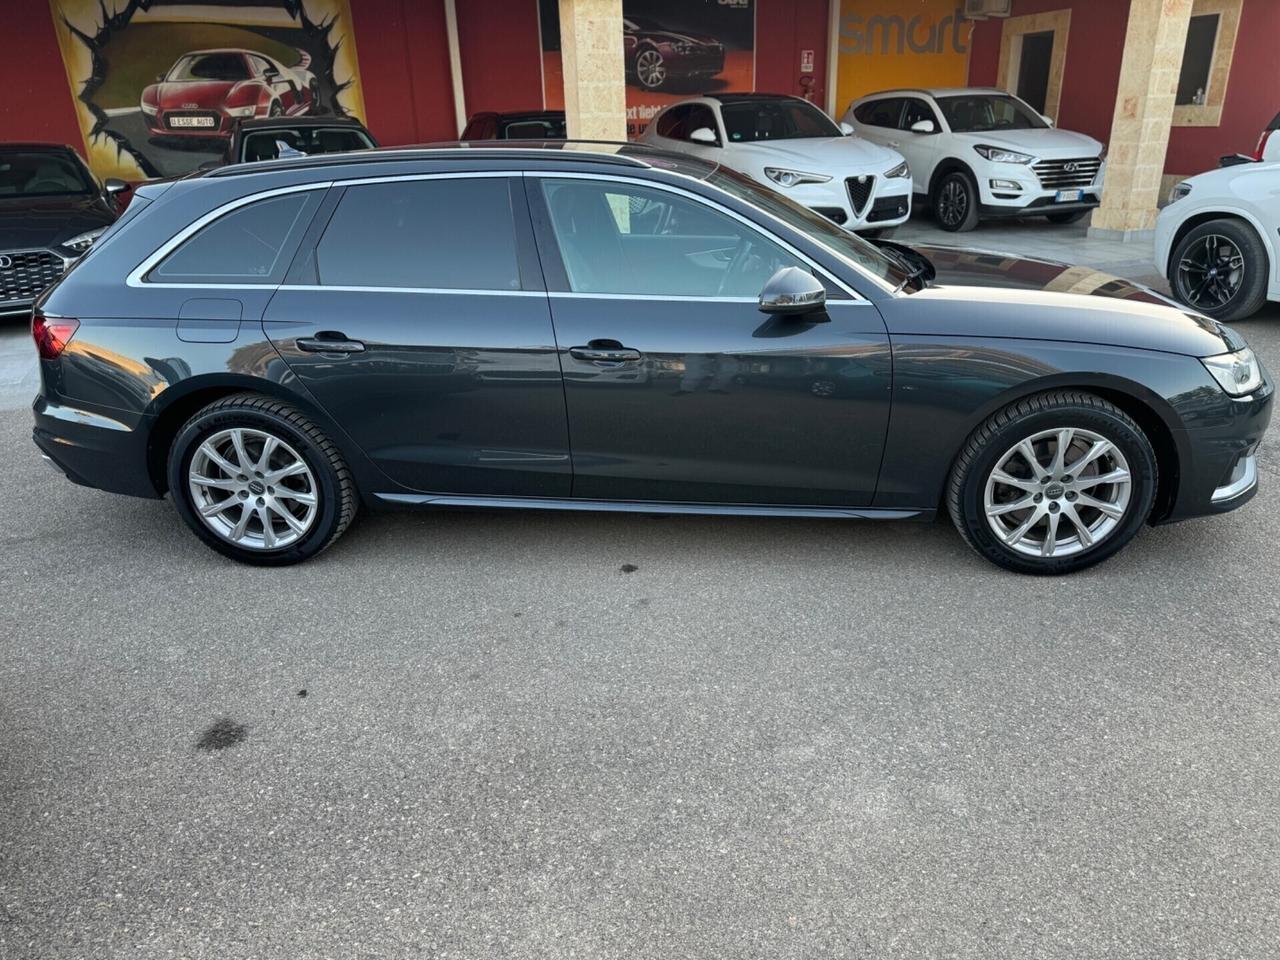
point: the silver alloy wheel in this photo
(651, 69)
(1066, 474)
(253, 489)
(1211, 272)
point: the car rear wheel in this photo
(955, 202)
(1220, 268)
(651, 69)
(259, 482)
(1053, 483)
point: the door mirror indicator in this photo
(924, 126)
(792, 291)
(704, 135)
(846, 128)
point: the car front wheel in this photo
(955, 202)
(258, 482)
(1221, 269)
(651, 69)
(1053, 483)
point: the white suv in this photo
(790, 145)
(984, 153)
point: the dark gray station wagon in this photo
(616, 328)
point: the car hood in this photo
(1044, 142)
(205, 94)
(838, 156)
(985, 294)
(39, 222)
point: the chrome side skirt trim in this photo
(647, 506)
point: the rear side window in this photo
(880, 113)
(452, 234)
(251, 244)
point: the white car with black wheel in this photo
(790, 145)
(982, 153)
(1216, 240)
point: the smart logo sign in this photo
(881, 47)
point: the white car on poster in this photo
(978, 153)
(1216, 240)
(790, 145)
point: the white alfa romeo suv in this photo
(790, 145)
(978, 153)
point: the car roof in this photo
(749, 97)
(289, 123)
(934, 92)
(604, 152)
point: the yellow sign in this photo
(883, 45)
(158, 87)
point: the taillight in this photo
(52, 334)
(1262, 144)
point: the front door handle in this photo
(328, 342)
(604, 351)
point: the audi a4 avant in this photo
(568, 326)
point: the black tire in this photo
(1071, 216)
(993, 441)
(1247, 291)
(955, 202)
(336, 497)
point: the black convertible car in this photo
(563, 326)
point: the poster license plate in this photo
(1068, 196)
(191, 121)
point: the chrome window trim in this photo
(135, 276)
(462, 291)
(698, 198)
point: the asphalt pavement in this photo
(527, 735)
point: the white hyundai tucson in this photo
(790, 145)
(977, 153)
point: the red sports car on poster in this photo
(206, 91)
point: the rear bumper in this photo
(94, 449)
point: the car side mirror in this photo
(1048, 120)
(847, 128)
(924, 126)
(704, 135)
(791, 292)
(114, 186)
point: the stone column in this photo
(1153, 45)
(595, 102)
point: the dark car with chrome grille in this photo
(276, 346)
(52, 208)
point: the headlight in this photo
(83, 242)
(149, 108)
(1001, 155)
(901, 170)
(793, 178)
(241, 111)
(1237, 373)
(1179, 191)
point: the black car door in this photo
(416, 315)
(678, 388)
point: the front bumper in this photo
(1016, 190)
(27, 275)
(93, 448)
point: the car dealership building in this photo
(1168, 85)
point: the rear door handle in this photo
(618, 354)
(329, 343)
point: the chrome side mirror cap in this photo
(792, 291)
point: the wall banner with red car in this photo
(159, 84)
(673, 49)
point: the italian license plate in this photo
(191, 121)
(1068, 196)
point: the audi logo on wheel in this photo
(6, 261)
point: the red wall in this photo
(1095, 47)
(36, 103)
(501, 55)
(1253, 96)
(783, 29)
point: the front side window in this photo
(879, 113)
(448, 233)
(674, 123)
(977, 113)
(249, 245)
(755, 120)
(917, 110)
(618, 238)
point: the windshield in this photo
(847, 246)
(748, 122)
(264, 144)
(210, 66)
(633, 23)
(38, 174)
(973, 113)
